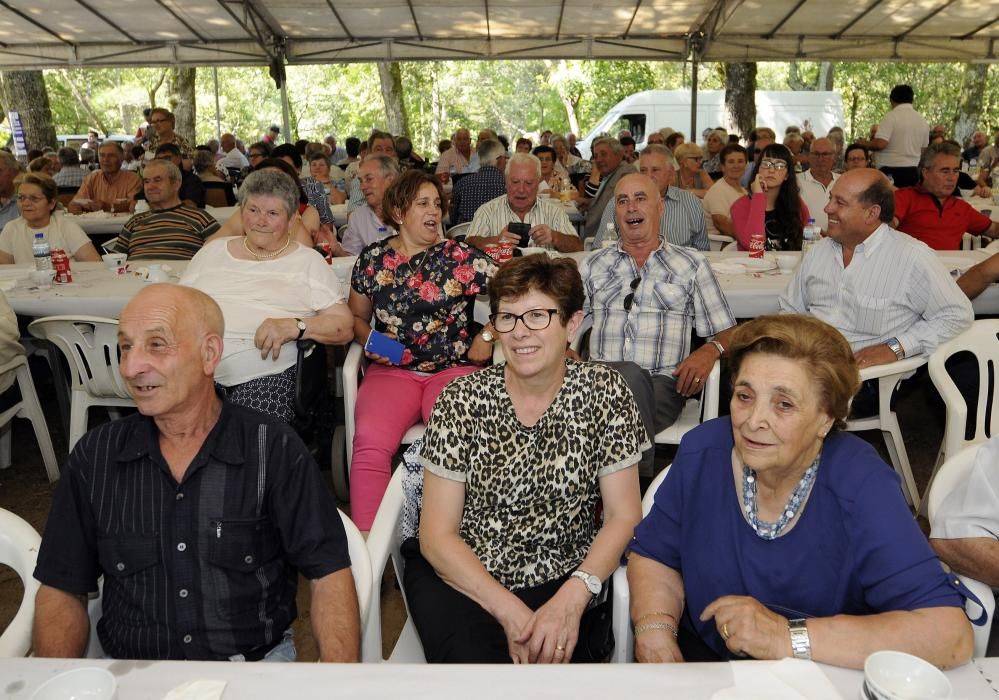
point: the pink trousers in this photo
(389, 402)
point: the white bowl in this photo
(42, 278)
(787, 262)
(87, 683)
(894, 675)
(114, 260)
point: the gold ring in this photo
(725, 633)
(697, 379)
(559, 648)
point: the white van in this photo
(652, 110)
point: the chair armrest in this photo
(903, 366)
(353, 368)
(624, 640)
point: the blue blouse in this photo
(855, 549)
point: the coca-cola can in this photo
(60, 263)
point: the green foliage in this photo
(513, 97)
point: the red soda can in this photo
(757, 244)
(505, 251)
(60, 263)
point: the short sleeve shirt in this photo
(531, 493)
(425, 302)
(16, 237)
(940, 226)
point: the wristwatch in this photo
(487, 336)
(593, 583)
(719, 347)
(301, 328)
(896, 347)
(801, 646)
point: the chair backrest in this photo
(360, 568)
(650, 494)
(981, 340)
(90, 344)
(19, 550)
(458, 230)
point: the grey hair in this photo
(490, 151)
(386, 166)
(611, 143)
(659, 150)
(524, 159)
(936, 149)
(270, 183)
(560, 139)
(720, 133)
(172, 171)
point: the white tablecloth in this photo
(142, 679)
(983, 203)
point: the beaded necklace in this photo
(266, 256)
(770, 531)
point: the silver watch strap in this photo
(801, 645)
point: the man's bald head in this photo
(199, 312)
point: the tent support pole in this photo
(693, 101)
(285, 112)
(218, 115)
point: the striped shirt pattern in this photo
(166, 234)
(682, 223)
(204, 569)
(493, 216)
(678, 292)
(895, 286)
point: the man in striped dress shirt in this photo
(887, 293)
(170, 230)
(199, 514)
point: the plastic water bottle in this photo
(995, 185)
(41, 252)
(809, 236)
(609, 239)
(973, 168)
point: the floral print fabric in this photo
(425, 302)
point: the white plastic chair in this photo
(458, 230)
(384, 542)
(19, 550)
(90, 344)
(719, 241)
(360, 569)
(982, 340)
(886, 421)
(624, 634)
(27, 407)
(954, 471)
(695, 410)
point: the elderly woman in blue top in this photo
(777, 535)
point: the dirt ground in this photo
(24, 489)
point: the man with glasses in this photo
(646, 297)
(814, 184)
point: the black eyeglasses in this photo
(534, 319)
(630, 299)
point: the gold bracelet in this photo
(656, 626)
(657, 613)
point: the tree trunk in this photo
(395, 109)
(795, 80)
(826, 74)
(69, 80)
(155, 88)
(24, 92)
(740, 98)
(436, 108)
(969, 109)
(181, 100)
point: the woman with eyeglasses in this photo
(37, 199)
(511, 550)
(690, 174)
(773, 205)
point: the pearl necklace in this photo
(771, 531)
(267, 256)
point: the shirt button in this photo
(182, 593)
(120, 566)
(248, 559)
(181, 547)
(187, 639)
(180, 496)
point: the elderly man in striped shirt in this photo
(682, 222)
(170, 230)
(646, 297)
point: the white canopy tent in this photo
(82, 33)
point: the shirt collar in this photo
(872, 242)
(144, 441)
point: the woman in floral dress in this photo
(419, 289)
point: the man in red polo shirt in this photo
(930, 212)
